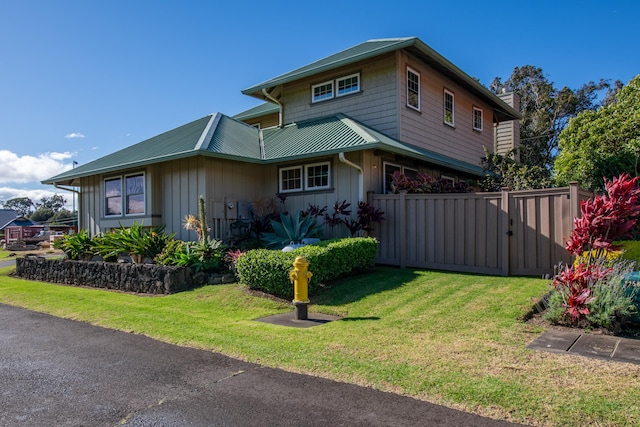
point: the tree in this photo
(48, 208)
(546, 110)
(603, 143)
(507, 172)
(22, 205)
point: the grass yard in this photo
(452, 339)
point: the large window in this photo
(477, 119)
(448, 108)
(333, 88)
(413, 89)
(125, 195)
(316, 176)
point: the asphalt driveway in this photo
(65, 373)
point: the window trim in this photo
(417, 74)
(289, 168)
(340, 79)
(325, 98)
(453, 108)
(306, 176)
(478, 110)
(124, 205)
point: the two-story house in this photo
(330, 131)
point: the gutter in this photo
(272, 99)
(360, 175)
(73, 191)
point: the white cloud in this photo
(74, 135)
(21, 169)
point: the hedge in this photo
(268, 270)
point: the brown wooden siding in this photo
(426, 128)
(375, 105)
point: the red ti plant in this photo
(606, 218)
(574, 285)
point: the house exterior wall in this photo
(266, 121)
(507, 134)
(375, 105)
(426, 128)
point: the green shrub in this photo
(136, 241)
(76, 246)
(268, 270)
(203, 255)
(291, 228)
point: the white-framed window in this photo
(449, 179)
(322, 91)
(290, 179)
(390, 169)
(125, 195)
(348, 84)
(413, 89)
(477, 119)
(448, 108)
(316, 176)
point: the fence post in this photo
(506, 230)
(574, 201)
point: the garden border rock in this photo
(139, 278)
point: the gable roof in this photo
(220, 136)
(373, 48)
(6, 217)
(257, 111)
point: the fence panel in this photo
(507, 233)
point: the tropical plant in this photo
(136, 241)
(202, 255)
(291, 228)
(76, 246)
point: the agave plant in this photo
(291, 228)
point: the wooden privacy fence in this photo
(504, 233)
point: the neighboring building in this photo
(330, 131)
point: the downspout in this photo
(360, 175)
(73, 191)
(271, 98)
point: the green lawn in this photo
(447, 338)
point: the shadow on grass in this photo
(354, 288)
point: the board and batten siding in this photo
(426, 128)
(375, 105)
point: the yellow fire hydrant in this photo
(300, 276)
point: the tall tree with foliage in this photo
(603, 143)
(22, 205)
(546, 110)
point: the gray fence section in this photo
(505, 233)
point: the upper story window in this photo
(413, 89)
(316, 176)
(125, 195)
(333, 88)
(448, 108)
(477, 119)
(322, 91)
(348, 84)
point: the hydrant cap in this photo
(300, 260)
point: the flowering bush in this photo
(587, 290)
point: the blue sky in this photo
(81, 79)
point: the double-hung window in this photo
(413, 89)
(477, 119)
(125, 195)
(448, 108)
(315, 176)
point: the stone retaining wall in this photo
(142, 278)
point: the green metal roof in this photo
(220, 136)
(373, 48)
(257, 111)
